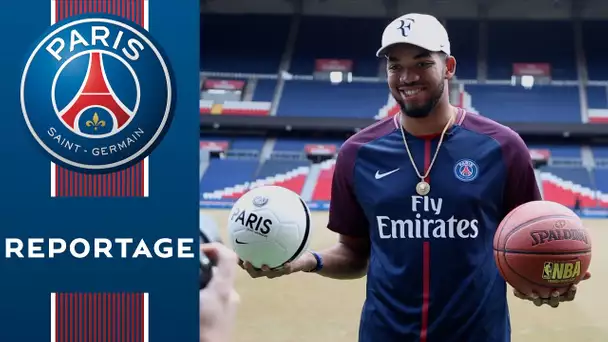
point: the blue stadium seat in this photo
(516, 104)
(247, 143)
(566, 151)
(243, 143)
(601, 180)
(297, 145)
(317, 98)
(274, 167)
(594, 44)
(597, 97)
(600, 152)
(576, 175)
(264, 90)
(223, 173)
(357, 39)
(214, 137)
(464, 39)
(537, 42)
(243, 43)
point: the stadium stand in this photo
(328, 100)
(540, 104)
(264, 90)
(258, 51)
(224, 173)
(334, 45)
(597, 97)
(465, 45)
(322, 191)
(557, 47)
(298, 145)
(279, 57)
(593, 48)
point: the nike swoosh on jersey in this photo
(382, 175)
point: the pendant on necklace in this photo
(423, 188)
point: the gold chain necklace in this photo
(423, 188)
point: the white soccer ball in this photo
(269, 225)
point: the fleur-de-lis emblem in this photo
(95, 122)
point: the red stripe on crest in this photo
(70, 183)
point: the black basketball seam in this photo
(498, 263)
(503, 224)
(306, 232)
(514, 251)
(530, 222)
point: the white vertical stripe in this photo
(53, 183)
(146, 317)
(53, 318)
(146, 16)
(146, 183)
(53, 14)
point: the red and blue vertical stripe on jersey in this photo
(426, 246)
(426, 255)
(99, 317)
(131, 182)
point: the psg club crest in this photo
(97, 93)
(260, 201)
(466, 170)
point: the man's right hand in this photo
(305, 262)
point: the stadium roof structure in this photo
(465, 9)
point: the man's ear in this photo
(450, 67)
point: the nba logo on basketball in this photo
(97, 93)
(466, 170)
(561, 272)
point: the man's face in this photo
(416, 78)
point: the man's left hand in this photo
(555, 298)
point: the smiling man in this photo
(416, 200)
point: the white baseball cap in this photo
(422, 30)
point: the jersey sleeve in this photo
(521, 185)
(346, 215)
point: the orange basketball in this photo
(542, 246)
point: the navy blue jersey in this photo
(432, 275)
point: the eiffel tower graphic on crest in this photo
(96, 92)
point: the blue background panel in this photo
(171, 210)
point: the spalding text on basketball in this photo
(540, 237)
(425, 226)
(252, 221)
(98, 35)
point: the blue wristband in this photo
(319, 262)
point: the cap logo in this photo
(405, 26)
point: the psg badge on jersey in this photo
(466, 170)
(97, 93)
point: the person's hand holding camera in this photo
(218, 300)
